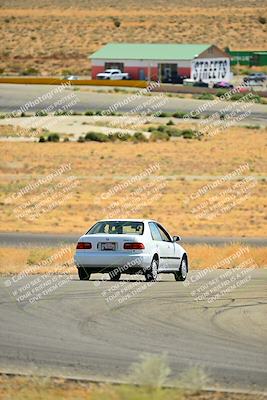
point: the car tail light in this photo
(133, 246)
(84, 245)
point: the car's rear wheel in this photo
(84, 275)
(115, 276)
(182, 273)
(152, 273)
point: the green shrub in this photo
(66, 139)
(42, 139)
(89, 112)
(262, 20)
(66, 72)
(81, 139)
(53, 137)
(188, 134)
(206, 96)
(96, 137)
(161, 128)
(30, 71)
(170, 122)
(23, 114)
(220, 92)
(41, 113)
(253, 127)
(185, 133)
(197, 116)
(151, 371)
(119, 136)
(164, 114)
(61, 112)
(175, 132)
(139, 137)
(179, 114)
(116, 22)
(237, 96)
(156, 135)
(257, 99)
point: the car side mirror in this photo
(177, 238)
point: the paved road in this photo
(76, 331)
(14, 239)
(13, 96)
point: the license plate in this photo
(108, 246)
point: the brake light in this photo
(133, 246)
(84, 245)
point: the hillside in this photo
(57, 36)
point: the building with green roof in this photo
(164, 62)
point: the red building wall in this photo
(135, 71)
(96, 70)
(184, 71)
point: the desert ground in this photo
(17, 260)
(174, 191)
(53, 389)
(57, 37)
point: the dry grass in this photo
(15, 131)
(186, 166)
(205, 256)
(33, 388)
(32, 38)
(17, 260)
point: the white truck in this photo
(112, 74)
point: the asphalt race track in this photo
(84, 329)
(24, 239)
(14, 96)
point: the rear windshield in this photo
(117, 227)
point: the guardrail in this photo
(78, 82)
(167, 88)
(172, 88)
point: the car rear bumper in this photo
(108, 261)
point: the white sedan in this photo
(131, 246)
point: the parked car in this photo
(113, 74)
(71, 77)
(223, 85)
(201, 84)
(131, 246)
(180, 79)
(255, 77)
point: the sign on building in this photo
(211, 70)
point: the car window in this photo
(165, 236)
(155, 233)
(117, 227)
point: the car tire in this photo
(152, 273)
(114, 276)
(84, 275)
(183, 269)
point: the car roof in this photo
(127, 219)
